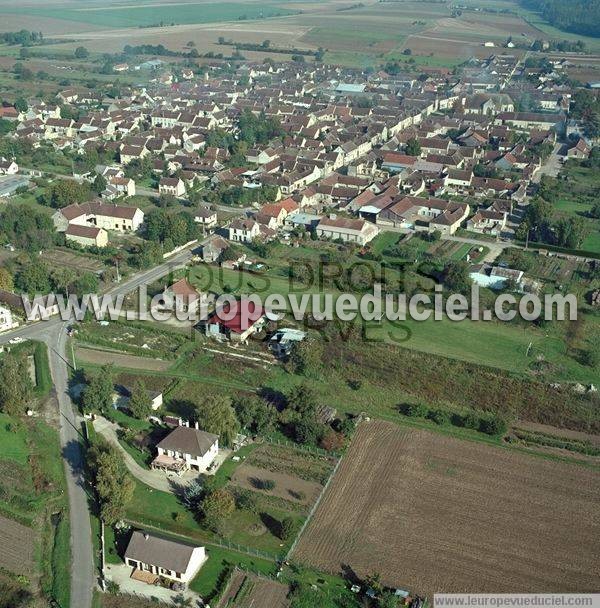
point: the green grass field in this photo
(221, 560)
(115, 16)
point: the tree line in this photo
(577, 16)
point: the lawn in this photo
(13, 438)
(165, 512)
(126, 421)
(220, 562)
(494, 344)
(568, 207)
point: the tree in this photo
(97, 396)
(21, 104)
(216, 415)
(302, 399)
(216, 508)
(306, 358)
(81, 52)
(65, 192)
(6, 280)
(99, 184)
(140, 403)
(308, 431)
(455, 276)
(286, 528)
(413, 147)
(86, 283)
(33, 278)
(254, 414)
(113, 484)
(16, 387)
(62, 278)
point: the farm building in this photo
(88, 236)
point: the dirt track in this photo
(432, 513)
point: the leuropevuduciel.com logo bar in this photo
(518, 600)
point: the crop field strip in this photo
(420, 509)
(16, 547)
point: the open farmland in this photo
(361, 36)
(144, 15)
(17, 542)
(419, 508)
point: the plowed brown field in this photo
(16, 547)
(432, 513)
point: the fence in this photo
(313, 509)
(224, 543)
(302, 448)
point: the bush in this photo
(493, 425)
(439, 417)
(245, 501)
(265, 484)
(471, 421)
(416, 410)
(286, 528)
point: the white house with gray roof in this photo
(186, 448)
(152, 557)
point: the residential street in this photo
(53, 334)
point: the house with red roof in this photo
(235, 321)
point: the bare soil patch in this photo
(296, 463)
(433, 513)
(103, 357)
(17, 542)
(286, 486)
(250, 591)
(63, 257)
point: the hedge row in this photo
(490, 424)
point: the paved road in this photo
(551, 167)
(53, 333)
(82, 562)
